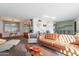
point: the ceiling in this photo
(55, 11)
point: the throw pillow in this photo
(76, 41)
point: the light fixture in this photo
(45, 16)
(53, 17)
(49, 16)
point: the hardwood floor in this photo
(49, 52)
(20, 50)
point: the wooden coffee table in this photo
(43, 52)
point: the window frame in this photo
(9, 22)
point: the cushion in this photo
(5, 46)
(59, 45)
(63, 38)
(51, 36)
(47, 40)
(77, 34)
(33, 35)
(2, 41)
(76, 41)
(14, 42)
(8, 45)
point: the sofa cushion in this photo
(59, 45)
(9, 44)
(51, 36)
(48, 40)
(76, 41)
(66, 38)
(41, 37)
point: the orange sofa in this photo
(66, 44)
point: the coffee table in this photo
(43, 52)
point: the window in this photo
(11, 27)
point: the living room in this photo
(39, 29)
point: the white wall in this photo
(38, 26)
